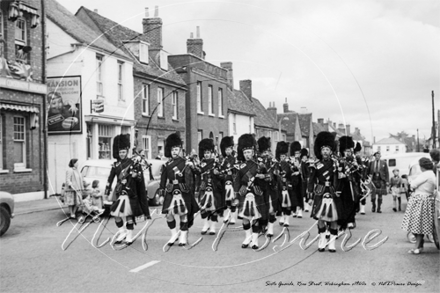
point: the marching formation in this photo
(244, 182)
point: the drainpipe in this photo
(43, 78)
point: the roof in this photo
(238, 102)
(290, 123)
(317, 128)
(305, 120)
(117, 34)
(389, 140)
(263, 118)
(77, 29)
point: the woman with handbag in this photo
(73, 188)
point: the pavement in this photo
(36, 206)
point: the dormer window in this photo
(163, 60)
(143, 52)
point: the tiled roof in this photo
(389, 140)
(317, 128)
(77, 29)
(290, 123)
(117, 33)
(304, 123)
(238, 102)
(263, 118)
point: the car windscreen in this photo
(95, 171)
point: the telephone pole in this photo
(433, 123)
(418, 148)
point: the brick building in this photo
(22, 100)
(206, 98)
(159, 92)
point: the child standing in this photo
(404, 190)
(395, 184)
(96, 195)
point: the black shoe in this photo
(332, 250)
(204, 232)
(182, 244)
(321, 249)
(254, 246)
(379, 211)
(244, 245)
(394, 209)
(373, 210)
(211, 233)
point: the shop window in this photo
(19, 142)
(105, 134)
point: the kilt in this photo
(381, 187)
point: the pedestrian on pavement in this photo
(96, 194)
(378, 169)
(395, 187)
(73, 188)
(418, 218)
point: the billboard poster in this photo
(64, 105)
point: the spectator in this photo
(395, 185)
(378, 169)
(418, 217)
(96, 194)
(405, 188)
(74, 187)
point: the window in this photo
(99, 86)
(20, 31)
(220, 103)
(143, 53)
(146, 145)
(1, 139)
(175, 104)
(397, 148)
(199, 135)
(19, 143)
(234, 123)
(146, 99)
(199, 98)
(388, 148)
(1, 24)
(105, 134)
(160, 109)
(392, 163)
(250, 124)
(378, 148)
(210, 100)
(120, 81)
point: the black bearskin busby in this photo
(358, 147)
(263, 144)
(345, 143)
(120, 142)
(173, 140)
(282, 148)
(324, 138)
(206, 144)
(246, 141)
(304, 153)
(227, 141)
(295, 147)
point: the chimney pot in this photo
(147, 13)
(198, 32)
(286, 107)
(156, 11)
(321, 121)
(191, 35)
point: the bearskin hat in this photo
(227, 141)
(324, 138)
(120, 142)
(206, 144)
(358, 147)
(304, 152)
(295, 147)
(246, 141)
(173, 140)
(263, 144)
(282, 148)
(345, 143)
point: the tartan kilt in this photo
(381, 187)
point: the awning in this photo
(28, 8)
(22, 108)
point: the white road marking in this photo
(148, 264)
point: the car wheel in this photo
(5, 220)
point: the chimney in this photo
(195, 46)
(320, 121)
(348, 129)
(153, 29)
(246, 88)
(304, 110)
(272, 110)
(286, 107)
(341, 128)
(228, 67)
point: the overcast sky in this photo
(370, 64)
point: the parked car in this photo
(6, 211)
(100, 170)
(403, 162)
